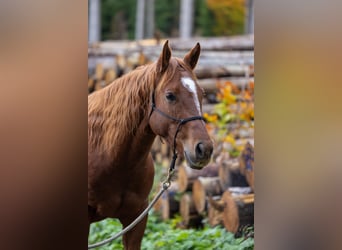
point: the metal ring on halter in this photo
(166, 185)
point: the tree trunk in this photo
(150, 18)
(94, 21)
(139, 22)
(186, 18)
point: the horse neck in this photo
(143, 139)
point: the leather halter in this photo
(179, 125)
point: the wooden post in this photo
(94, 21)
(186, 18)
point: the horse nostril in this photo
(200, 150)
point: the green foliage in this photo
(165, 236)
(118, 19)
(204, 19)
(229, 16)
(167, 16)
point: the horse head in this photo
(176, 113)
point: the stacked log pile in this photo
(221, 193)
(222, 59)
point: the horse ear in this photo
(192, 56)
(164, 58)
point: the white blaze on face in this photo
(191, 86)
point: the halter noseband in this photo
(180, 123)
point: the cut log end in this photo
(198, 196)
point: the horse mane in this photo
(116, 111)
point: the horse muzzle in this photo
(200, 155)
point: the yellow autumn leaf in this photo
(230, 139)
(210, 118)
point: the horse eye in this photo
(170, 97)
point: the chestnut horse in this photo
(122, 125)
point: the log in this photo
(229, 172)
(234, 43)
(99, 71)
(245, 205)
(244, 42)
(91, 85)
(167, 206)
(158, 158)
(99, 85)
(214, 212)
(201, 188)
(230, 215)
(164, 149)
(212, 71)
(110, 76)
(186, 175)
(232, 210)
(237, 191)
(247, 164)
(210, 84)
(187, 209)
(246, 212)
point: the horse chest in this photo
(124, 189)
